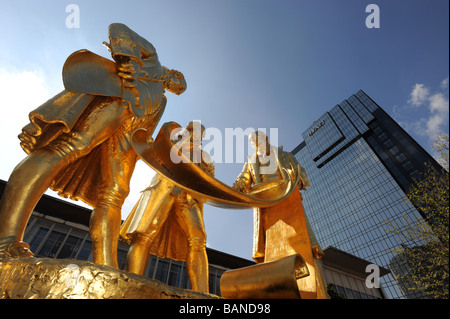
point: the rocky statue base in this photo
(44, 278)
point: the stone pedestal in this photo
(44, 278)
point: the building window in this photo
(162, 270)
(85, 250)
(214, 280)
(400, 158)
(415, 174)
(377, 130)
(408, 166)
(37, 239)
(388, 143)
(348, 293)
(52, 245)
(341, 291)
(394, 150)
(168, 271)
(58, 241)
(173, 273)
(70, 247)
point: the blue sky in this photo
(248, 63)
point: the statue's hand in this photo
(241, 186)
(128, 72)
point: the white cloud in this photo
(30, 85)
(444, 83)
(418, 127)
(439, 109)
(21, 92)
(431, 111)
(438, 103)
(418, 95)
(434, 124)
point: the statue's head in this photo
(196, 130)
(259, 140)
(175, 82)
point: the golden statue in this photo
(284, 246)
(168, 222)
(78, 142)
(84, 144)
(282, 229)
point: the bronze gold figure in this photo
(168, 221)
(270, 183)
(78, 142)
(282, 229)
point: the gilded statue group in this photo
(80, 144)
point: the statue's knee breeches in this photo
(72, 146)
(101, 121)
(113, 197)
(142, 239)
(197, 242)
(190, 216)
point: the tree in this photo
(441, 146)
(332, 292)
(427, 259)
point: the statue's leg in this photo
(28, 181)
(137, 256)
(120, 161)
(191, 219)
(104, 228)
(157, 210)
(32, 177)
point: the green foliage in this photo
(441, 146)
(332, 293)
(428, 259)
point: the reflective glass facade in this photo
(358, 182)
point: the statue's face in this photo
(253, 141)
(195, 136)
(258, 143)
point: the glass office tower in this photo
(360, 163)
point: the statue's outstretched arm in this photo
(243, 182)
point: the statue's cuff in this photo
(124, 47)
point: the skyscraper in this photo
(361, 163)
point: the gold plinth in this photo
(44, 278)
